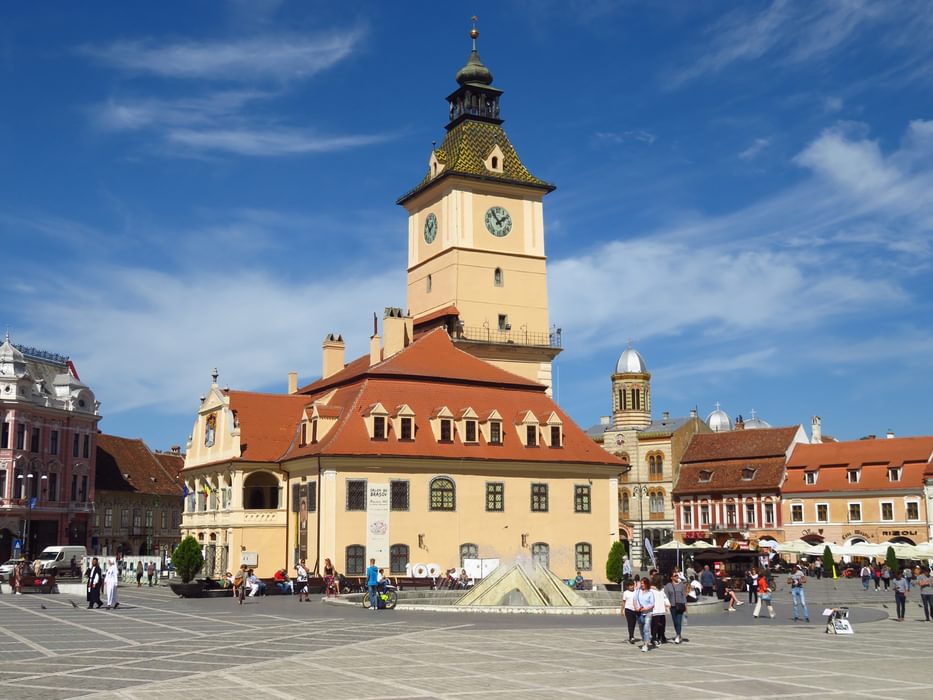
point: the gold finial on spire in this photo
(474, 32)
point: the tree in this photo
(614, 562)
(828, 562)
(187, 559)
(891, 560)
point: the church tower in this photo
(631, 391)
(476, 259)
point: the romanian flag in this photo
(207, 489)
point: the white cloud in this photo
(278, 57)
(268, 142)
(131, 114)
(758, 145)
(639, 135)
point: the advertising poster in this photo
(377, 524)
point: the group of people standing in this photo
(646, 603)
(99, 583)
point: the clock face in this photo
(498, 221)
(430, 229)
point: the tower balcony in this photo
(508, 336)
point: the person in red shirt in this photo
(282, 582)
(764, 596)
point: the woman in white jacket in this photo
(659, 616)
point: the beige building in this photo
(442, 443)
(858, 491)
(653, 448)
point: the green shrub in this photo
(828, 563)
(187, 559)
(614, 562)
(891, 560)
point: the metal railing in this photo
(515, 336)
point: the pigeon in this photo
(42, 605)
(884, 606)
(73, 604)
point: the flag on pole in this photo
(650, 550)
(184, 490)
(207, 489)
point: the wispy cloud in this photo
(843, 244)
(636, 135)
(758, 145)
(790, 32)
(277, 57)
(268, 142)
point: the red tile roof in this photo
(173, 463)
(726, 456)
(873, 457)
(127, 464)
(268, 423)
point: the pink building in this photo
(48, 429)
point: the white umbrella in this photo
(701, 544)
(675, 545)
(794, 547)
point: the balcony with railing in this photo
(508, 336)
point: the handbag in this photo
(680, 608)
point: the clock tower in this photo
(476, 259)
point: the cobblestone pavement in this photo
(158, 646)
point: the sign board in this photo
(480, 568)
(249, 558)
(377, 524)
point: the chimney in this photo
(739, 423)
(693, 412)
(375, 351)
(666, 415)
(604, 420)
(890, 434)
(398, 331)
(292, 382)
(816, 430)
(332, 354)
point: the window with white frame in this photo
(750, 513)
(887, 510)
(822, 512)
(769, 514)
(687, 515)
(809, 478)
(796, 512)
(853, 475)
(894, 473)
(913, 510)
(855, 512)
(731, 515)
(704, 514)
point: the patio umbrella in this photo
(701, 544)
(794, 547)
(675, 545)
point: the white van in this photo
(59, 558)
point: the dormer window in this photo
(705, 476)
(809, 478)
(853, 476)
(446, 430)
(894, 473)
(314, 430)
(379, 428)
(495, 161)
(495, 432)
(405, 429)
(531, 436)
(555, 436)
(748, 474)
(494, 164)
(469, 430)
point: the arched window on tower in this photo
(429, 283)
(495, 163)
(622, 396)
(497, 275)
(624, 504)
(636, 400)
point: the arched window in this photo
(541, 554)
(497, 277)
(261, 492)
(656, 467)
(398, 558)
(468, 550)
(495, 163)
(443, 496)
(584, 556)
(624, 503)
(428, 283)
(356, 560)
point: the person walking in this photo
(676, 593)
(139, 574)
(111, 580)
(797, 580)
(150, 572)
(818, 569)
(644, 606)
(900, 595)
(301, 574)
(865, 573)
(95, 581)
(372, 583)
(626, 568)
(239, 584)
(659, 615)
(765, 594)
(886, 576)
(751, 585)
(925, 583)
(628, 609)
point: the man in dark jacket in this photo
(95, 581)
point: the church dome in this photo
(474, 71)
(718, 420)
(631, 361)
(756, 423)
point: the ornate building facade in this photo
(49, 422)
(442, 444)
(653, 449)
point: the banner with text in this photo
(377, 525)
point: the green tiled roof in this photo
(465, 149)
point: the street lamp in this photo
(641, 491)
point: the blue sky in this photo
(744, 189)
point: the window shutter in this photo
(296, 497)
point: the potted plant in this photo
(188, 560)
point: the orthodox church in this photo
(441, 444)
